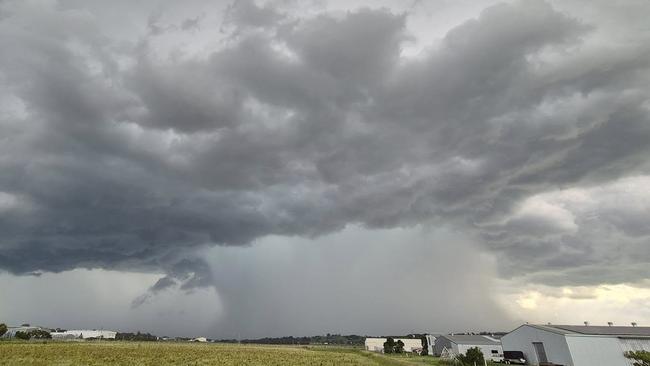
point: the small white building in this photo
(377, 344)
(84, 334)
(200, 339)
(449, 346)
(577, 345)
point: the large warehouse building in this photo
(577, 345)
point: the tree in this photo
(399, 347)
(472, 357)
(641, 358)
(389, 345)
(425, 346)
(39, 334)
(22, 335)
(3, 329)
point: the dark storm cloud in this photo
(245, 13)
(117, 155)
(579, 235)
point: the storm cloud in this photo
(136, 147)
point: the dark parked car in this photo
(514, 357)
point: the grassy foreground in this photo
(159, 353)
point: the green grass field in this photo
(172, 353)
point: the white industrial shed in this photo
(377, 344)
(85, 334)
(449, 346)
(577, 345)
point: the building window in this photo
(495, 352)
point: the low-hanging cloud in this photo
(117, 155)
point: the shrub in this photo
(641, 358)
(473, 356)
(389, 345)
(3, 329)
(39, 334)
(399, 347)
(21, 335)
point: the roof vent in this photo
(610, 323)
(634, 324)
(586, 324)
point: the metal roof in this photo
(471, 339)
(548, 328)
(603, 330)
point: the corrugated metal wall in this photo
(635, 344)
(596, 350)
(574, 349)
(522, 338)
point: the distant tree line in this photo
(135, 337)
(335, 339)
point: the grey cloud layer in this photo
(116, 156)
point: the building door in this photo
(541, 353)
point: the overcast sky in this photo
(265, 168)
